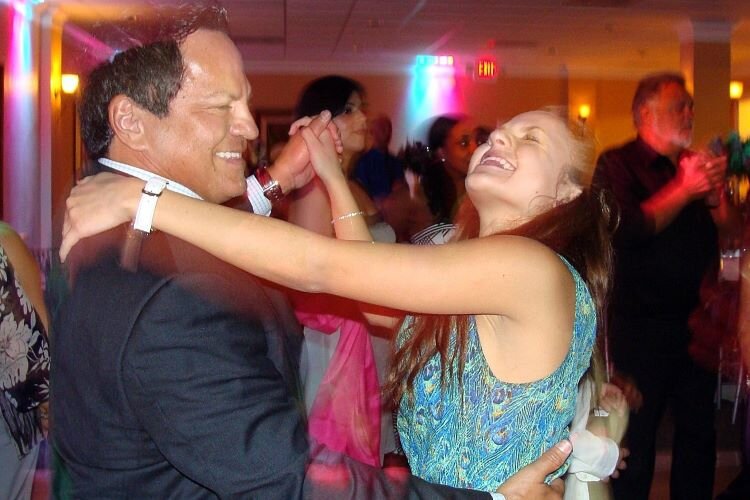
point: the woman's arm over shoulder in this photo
(506, 275)
(492, 275)
(26, 268)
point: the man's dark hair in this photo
(649, 87)
(150, 72)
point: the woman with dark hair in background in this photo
(345, 98)
(450, 143)
(342, 365)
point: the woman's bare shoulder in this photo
(16, 250)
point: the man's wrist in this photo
(286, 184)
(270, 185)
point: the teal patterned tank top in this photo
(479, 436)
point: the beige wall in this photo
(485, 102)
(744, 117)
(743, 111)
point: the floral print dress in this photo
(24, 360)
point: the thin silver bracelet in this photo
(346, 216)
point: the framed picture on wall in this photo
(274, 130)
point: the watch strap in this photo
(144, 216)
(271, 188)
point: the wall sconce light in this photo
(69, 83)
(735, 90)
(584, 111)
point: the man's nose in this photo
(243, 124)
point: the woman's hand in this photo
(633, 395)
(332, 129)
(96, 204)
(323, 156)
(612, 399)
(622, 463)
(292, 168)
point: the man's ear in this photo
(126, 120)
(645, 113)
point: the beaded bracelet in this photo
(346, 216)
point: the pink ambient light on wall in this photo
(434, 90)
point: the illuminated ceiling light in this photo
(69, 83)
(427, 60)
(735, 90)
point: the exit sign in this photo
(485, 69)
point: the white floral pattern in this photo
(14, 342)
(28, 309)
(24, 359)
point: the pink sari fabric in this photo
(345, 415)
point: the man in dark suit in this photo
(172, 375)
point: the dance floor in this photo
(728, 459)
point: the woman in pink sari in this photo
(342, 366)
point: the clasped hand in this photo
(323, 149)
(293, 169)
(699, 173)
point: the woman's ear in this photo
(441, 153)
(125, 118)
(567, 190)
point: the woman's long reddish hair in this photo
(579, 230)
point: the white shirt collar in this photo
(146, 175)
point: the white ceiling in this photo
(586, 38)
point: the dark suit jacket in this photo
(175, 382)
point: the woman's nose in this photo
(499, 138)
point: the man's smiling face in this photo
(201, 140)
